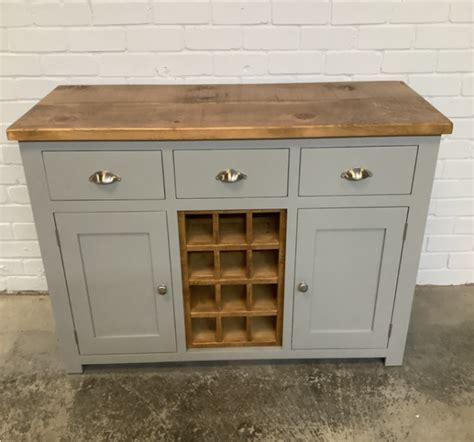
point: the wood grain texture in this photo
(213, 112)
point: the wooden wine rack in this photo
(233, 265)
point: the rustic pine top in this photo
(212, 112)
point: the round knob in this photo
(162, 289)
(303, 287)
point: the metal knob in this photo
(356, 174)
(104, 177)
(230, 176)
(303, 287)
(162, 289)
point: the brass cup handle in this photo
(356, 174)
(230, 176)
(104, 177)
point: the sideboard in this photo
(200, 222)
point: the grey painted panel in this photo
(349, 258)
(284, 143)
(392, 167)
(347, 279)
(266, 170)
(236, 353)
(68, 175)
(113, 264)
(107, 265)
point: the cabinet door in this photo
(349, 259)
(114, 263)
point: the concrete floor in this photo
(430, 398)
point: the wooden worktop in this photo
(212, 112)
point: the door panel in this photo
(349, 258)
(113, 264)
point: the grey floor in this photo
(430, 398)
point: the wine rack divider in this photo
(233, 263)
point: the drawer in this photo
(140, 174)
(265, 172)
(391, 170)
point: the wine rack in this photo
(233, 273)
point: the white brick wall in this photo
(428, 44)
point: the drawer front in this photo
(391, 170)
(265, 170)
(140, 175)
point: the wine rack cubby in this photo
(233, 273)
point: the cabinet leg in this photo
(394, 359)
(73, 366)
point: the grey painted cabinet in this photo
(114, 263)
(347, 261)
(119, 241)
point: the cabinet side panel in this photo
(422, 186)
(50, 254)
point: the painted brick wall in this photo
(425, 43)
